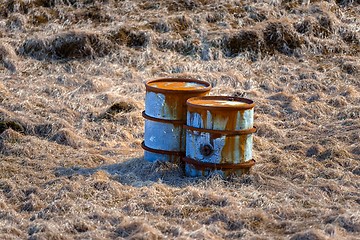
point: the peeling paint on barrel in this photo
(165, 114)
(211, 119)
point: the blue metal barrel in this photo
(165, 115)
(219, 135)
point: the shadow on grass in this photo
(136, 172)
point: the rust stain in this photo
(224, 166)
(176, 93)
(182, 140)
(180, 85)
(232, 113)
(222, 103)
(229, 149)
(217, 103)
(173, 109)
(175, 103)
(232, 146)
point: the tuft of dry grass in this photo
(72, 45)
(119, 107)
(7, 57)
(280, 36)
(246, 40)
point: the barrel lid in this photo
(177, 85)
(220, 103)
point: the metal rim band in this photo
(159, 151)
(180, 122)
(218, 166)
(206, 85)
(248, 103)
(222, 132)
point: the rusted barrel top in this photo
(220, 103)
(166, 97)
(177, 85)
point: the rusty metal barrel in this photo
(165, 115)
(219, 136)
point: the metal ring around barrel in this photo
(180, 122)
(222, 132)
(218, 166)
(161, 151)
(165, 115)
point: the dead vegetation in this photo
(7, 57)
(67, 46)
(280, 36)
(11, 125)
(246, 40)
(72, 92)
(131, 38)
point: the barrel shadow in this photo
(136, 172)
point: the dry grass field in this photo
(72, 76)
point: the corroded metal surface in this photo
(166, 97)
(219, 133)
(175, 153)
(203, 166)
(222, 132)
(175, 122)
(165, 115)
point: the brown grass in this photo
(72, 76)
